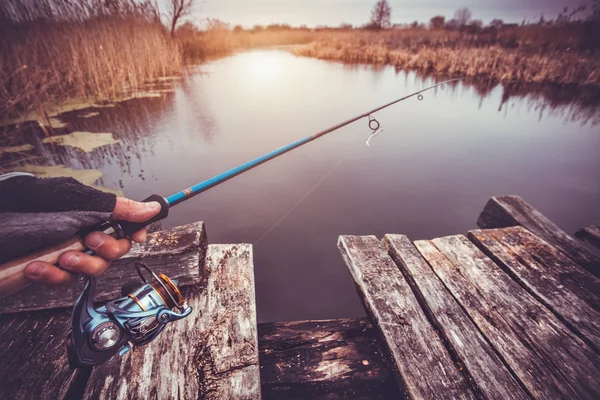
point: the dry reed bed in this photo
(44, 63)
(494, 62)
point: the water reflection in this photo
(428, 174)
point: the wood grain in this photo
(211, 354)
(323, 360)
(34, 357)
(549, 360)
(505, 211)
(572, 293)
(424, 367)
(590, 234)
(173, 252)
(485, 368)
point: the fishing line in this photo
(376, 129)
(302, 199)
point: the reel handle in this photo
(12, 273)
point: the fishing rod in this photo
(97, 334)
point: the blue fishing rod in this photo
(135, 319)
(124, 228)
(225, 176)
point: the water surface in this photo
(428, 174)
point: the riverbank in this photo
(52, 55)
(493, 62)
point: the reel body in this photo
(132, 320)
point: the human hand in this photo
(105, 247)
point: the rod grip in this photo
(12, 273)
(126, 228)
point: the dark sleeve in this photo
(21, 233)
(30, 194)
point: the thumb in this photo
(134, 211)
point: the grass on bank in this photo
(57, 50)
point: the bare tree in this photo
(437, 22)
(496, 23)
(463, 16)
(381, 15)
(177, 9)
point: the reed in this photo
(454, 54)
(72, 50)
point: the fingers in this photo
(134, 211)
(139, 236)
(47, 274)
(82, 263)
(74, 263)
(107, 246)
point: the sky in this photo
(357, 12)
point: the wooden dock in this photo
(509, 311)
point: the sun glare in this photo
(263, 67)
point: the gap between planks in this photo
(544, 354)
(463, 339)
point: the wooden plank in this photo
(570, 292)
(479, 359)
(425, 369)
(174, 252)
(547, 358)
(590, 234)
(34, 357)
(211, 354)
(505, 211)
(323, 359)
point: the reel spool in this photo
(132, 320)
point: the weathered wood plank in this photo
(505, 211)
(570, 292)
(173, 252)
(548, 359)
(323, 360)
(590, 234)
(425, 368)
(34, 357)
(211, 354)
(480, 360)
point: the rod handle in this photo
(12, 273)
(126, 228)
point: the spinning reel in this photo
(132, 320)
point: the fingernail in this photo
(94, 240)
(71, 261)
(35, 270)
(153, 205)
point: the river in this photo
(428, 174)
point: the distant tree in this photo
(437, 22)
(475, 26)
(414, 24)
(176, 10)
(381, 15)
(476, 23)
(452, 24)
(188, 29)
(257, 28)
(463, 16)
(345, 26)
(215, 24)
(238, 28)
(496, 23)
